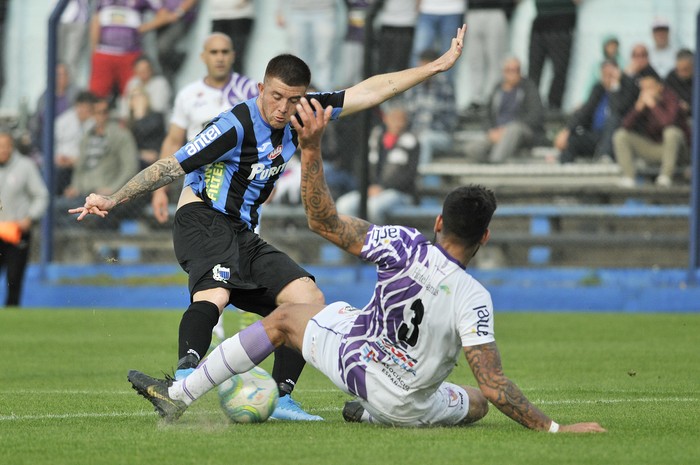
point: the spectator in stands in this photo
(398, 23)
(662, 54)
(515, 117)
(655, 130)
(72, 32)
(116, 42)
(487, 46)
(234, 18)
(432, 111)
(551, 37)
(69, 130)
(146, 125)
(311, 35)
(393, 161)
(680, 80)
(354, 42)
(108, 157)
(156, 86)
(436, 25)
(170, 36)
(66, 92)
(611, 51)
(200, 101)
(590, 129)
(23, 201)
(639, 63)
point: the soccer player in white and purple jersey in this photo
(395, 354)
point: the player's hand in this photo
(159, 203)
(314, 119)
(94, 205)
(590, 427)
(449, 58)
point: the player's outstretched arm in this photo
(485, 362)
(346, 232)
(159, 174)
(377, 89)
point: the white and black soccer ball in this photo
(249, 397)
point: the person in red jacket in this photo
(655, 129)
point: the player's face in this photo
(218, 57)
(278, 101)
(6, 147)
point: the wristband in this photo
(553, 427)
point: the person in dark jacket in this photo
(515, 117)
(590, 129)
(680, 80)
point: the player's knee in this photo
(278, 324)
(478, 405)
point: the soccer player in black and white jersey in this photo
(395, 354)
(231, 168)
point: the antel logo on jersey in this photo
(264, 172)
(482, 325)
(275, 153)
(204, 138)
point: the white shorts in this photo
(447, 406)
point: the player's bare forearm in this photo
(346, 232)
(506, 396)
(159, 174)
(377, 89)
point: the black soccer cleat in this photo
(352, 411)
(156, 392)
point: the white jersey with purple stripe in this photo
(425, 308)
(198, 103)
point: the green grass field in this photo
(64, 398)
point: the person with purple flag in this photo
(395, 354)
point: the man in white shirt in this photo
(662, 55)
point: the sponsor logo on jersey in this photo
(395, 378)
(214, 178)
(204, 138)
(264, 147)
(221, 273)
(275, 153)
(262, 172)
(398, 356)
(369, 355)
(418, 273)
(482, 325)
(384, 235)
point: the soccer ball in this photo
(249, 397)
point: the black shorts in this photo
(217, 251)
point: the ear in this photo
(437, 228)
(261, 87)
(485, 238)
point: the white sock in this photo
(219, 328)
(236, 354)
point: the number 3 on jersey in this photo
(409, 332)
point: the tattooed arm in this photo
(377, 89)
(346, 232)
(485, 362)
(159, 174)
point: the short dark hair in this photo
(467, 212)
(85, 96)
(289, 69)
(685, 53)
